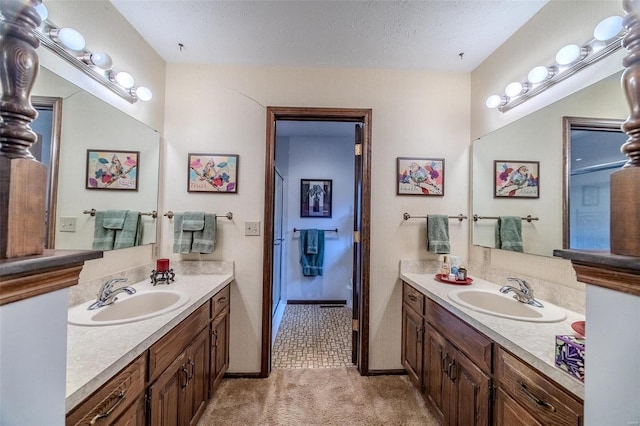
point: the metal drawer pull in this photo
(193, 369)
(222, 300)
(186, 377)
(534, 398)
(452, 370)
(412, 298)
(121, 397)
(443, 363)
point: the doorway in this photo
(361, 231)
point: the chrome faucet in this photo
(524, 294)
(107, 296)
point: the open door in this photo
(357, 248)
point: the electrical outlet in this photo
(252, 228)
(67, 224)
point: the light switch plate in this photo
(67, 224)
(252, 228)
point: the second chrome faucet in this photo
(523, 294)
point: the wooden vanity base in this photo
(625, 212)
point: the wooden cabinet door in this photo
(507, 412)
(435, 365)
(168, 394)
(219, 348)
(198, 379)
(412, 341)
(469, 394)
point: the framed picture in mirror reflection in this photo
(420, 176)
(516, 179)
(115, 170)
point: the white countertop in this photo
(95, 354)
(533, 342)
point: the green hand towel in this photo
(438, 234)
(509, 233)
(103, 238)
(204, 240)
(311, 246)
(128, 235)
(193, 221)
(181, 240)
(114, 219)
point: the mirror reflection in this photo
(539, 137)
(86, 124)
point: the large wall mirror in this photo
(71, 122)
(538, 138)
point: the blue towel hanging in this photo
(311, 262)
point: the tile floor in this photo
(313, 336)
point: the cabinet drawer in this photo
(219, 302)
(113, 398)
(541, 397)
(165, 350)
(472, 343)
(413, 298)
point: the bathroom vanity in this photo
(478, 369)
(161, 370)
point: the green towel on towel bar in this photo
(131, 233)
(438, 234)
(204, 240)
(311, 263)
(103, 238)
(114, 219)
(181, 240)
(509, 233)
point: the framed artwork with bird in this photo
(116, 170)
(315, 197)
(420, 176)
(217, 173)
(516, 179)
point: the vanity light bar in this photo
(591, 52)
(75, 58)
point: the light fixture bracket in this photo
(77, 62)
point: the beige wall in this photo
(223, 109)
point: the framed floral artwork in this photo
(420, 176)
(114, 170)
(516, 179)
(217, 173)
(315, 197)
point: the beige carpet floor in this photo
(328, 396)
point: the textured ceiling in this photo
(428, 34)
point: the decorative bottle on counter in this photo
(444, 268)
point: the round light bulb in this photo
(125, 79)
(69, 38)
(538, 74)
(494, 101)
(42, 11)
(608, 28)
(144, 93)
(568, 54)
(513, 89)
(101, 60)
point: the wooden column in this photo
(22, 178)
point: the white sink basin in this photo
(494, 303)
(144, 304)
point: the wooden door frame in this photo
(356, 115)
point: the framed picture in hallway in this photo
(217, 173)
(420, 176)
(315, 197)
